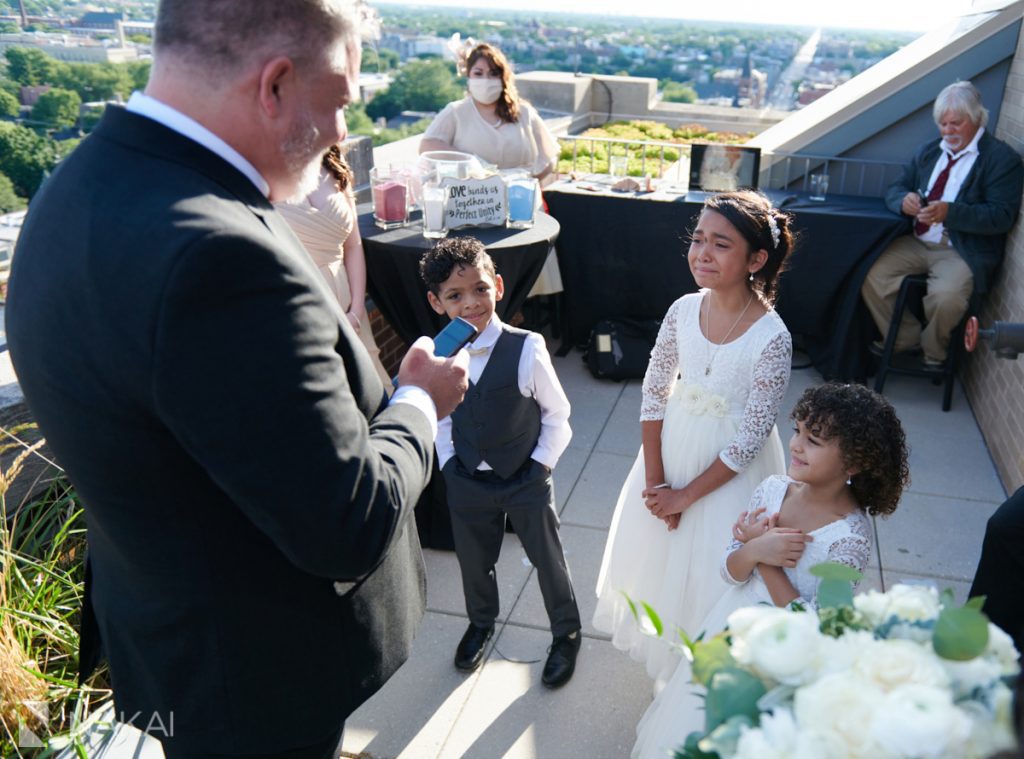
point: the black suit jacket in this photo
(229, 438)
(985, 208)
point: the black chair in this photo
(911, 294)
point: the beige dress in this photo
(322, 222)
(526, 144)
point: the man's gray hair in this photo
(963, 98)
(221, 37)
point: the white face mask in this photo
(484, 91)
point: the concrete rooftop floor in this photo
(429, 710)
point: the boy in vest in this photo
(497, 450)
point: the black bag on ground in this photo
(619, 349)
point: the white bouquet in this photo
(904, 673)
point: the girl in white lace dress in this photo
(717, 375)
(848, 461)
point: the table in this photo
(393, 277)
(624, 255)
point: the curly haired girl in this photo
(848, 460)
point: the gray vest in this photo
(495, 422)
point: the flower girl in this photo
(848, 460)
(708, 436)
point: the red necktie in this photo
(936, 192)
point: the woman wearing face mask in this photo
(492, 122)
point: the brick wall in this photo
(995, 386)
(392, 348)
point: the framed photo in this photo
(723, 168)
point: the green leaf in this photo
(732, 692)
(960, 634)
(653, 616)
(978, 602)
(709, 657)
(834, 594)
(690, 749)
(632, 606)
(833, 570)
(723, 739)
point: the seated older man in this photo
(963, 192)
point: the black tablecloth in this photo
(393, 277)
(625, 256)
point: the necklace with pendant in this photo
(707, 326)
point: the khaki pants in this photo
(950, 283)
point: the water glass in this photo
(435, 218)
(390, 198)
(523, 194)
(618, 165)
(819, 186)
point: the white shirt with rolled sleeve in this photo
(537, 380)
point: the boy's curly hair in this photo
(438, 263)
(870, 437)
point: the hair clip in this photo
(460, 49)
(773, 227)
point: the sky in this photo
(906, 15)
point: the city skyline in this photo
(909, 15)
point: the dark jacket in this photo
(230, 441)
(984, 210)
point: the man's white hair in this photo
(963, 98)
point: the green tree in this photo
(9, 104)
(418, 86)
(379, 60)
(25, 157)
(57, 108)
(139, 73)
(30, 66)
(676, 92)
(357, 120)
(9, 200)
(96, 81)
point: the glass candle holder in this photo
(435, 206)
(523, 194)
(390, 198)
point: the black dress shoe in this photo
(561, 661)
(470, 652)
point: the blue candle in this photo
(520, 201)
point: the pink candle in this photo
(389, 201)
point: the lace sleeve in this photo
(771, 376)
(852, 549)
(663, 368)
(757, 501)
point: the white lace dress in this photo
(678, 709)
(727, 413)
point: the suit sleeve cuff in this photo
(420, 398)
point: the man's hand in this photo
(911, 204)
(445, 380)
(934, 213)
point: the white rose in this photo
(920, 721)
(873, 605)
(914, 603)
(991, 726)
(838, 654)
(778, 738)
(783, 647)
(837, 708)
(968, 676)
(890, 664)
(741, 620)
(1000, 648)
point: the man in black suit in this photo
(962, 192)
(255, 574)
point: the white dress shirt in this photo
(936, 233)
(537, 380)
(151, 108)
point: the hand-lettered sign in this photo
(476, 202)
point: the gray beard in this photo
(302, 156)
